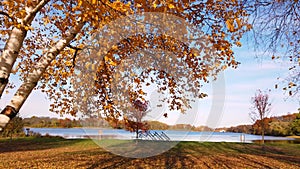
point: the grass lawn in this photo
(60, 153)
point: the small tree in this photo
(13, 128)
(134, 118)
(261, 108)
(295, 125)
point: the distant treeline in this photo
(275, 126)
(47, 122)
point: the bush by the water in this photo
(14, 128)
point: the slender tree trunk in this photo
(136, 130)
(31, 81)
(262, 132)
(14, 44)
(9, 55)
(263, 136)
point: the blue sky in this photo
(251, 75)
(240, 85)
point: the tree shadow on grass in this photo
(179, 157)
(173, 158)
(136, 148)
(273, 151)
(33, 143)
(113, 162)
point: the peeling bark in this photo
(31, 81)
(6, 115)
(9, 55)
(3, 121)
(14, 44)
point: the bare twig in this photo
(75, 54)
(7, 15)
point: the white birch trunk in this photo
(31, 81)
(14, 44)
(3, 121)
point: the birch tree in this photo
(60, 29)
(19, 17)
(32, 71)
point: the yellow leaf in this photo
(106, 58)
(171, 6)
(5, 3)
(93, 67)
(46, 20)
(79, 2)
(238, 21)
(26, 28)
(141, 92)
(114, 47)
(292, 84)
(113, 63)
(19, 26)
(87, 65)
(224, 67)
(69, 63)
(154, 5)
(249, 27)
(230, 25)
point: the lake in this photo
(174, 135)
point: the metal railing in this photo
(154, 136)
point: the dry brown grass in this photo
(60, 153)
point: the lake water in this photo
(72, 133)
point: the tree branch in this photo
(75, 54)
(7, 15)
(29, 17)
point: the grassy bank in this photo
(61, 153)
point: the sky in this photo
(238, 85)
(242, 83)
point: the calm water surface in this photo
(70, 133)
